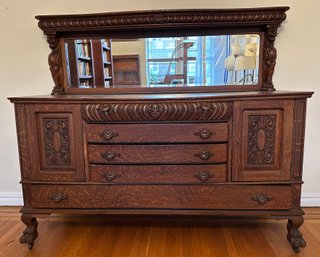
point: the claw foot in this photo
(30, 233)
(294, 236)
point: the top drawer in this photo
(157, 133)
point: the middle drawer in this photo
(158, 154)
(157, 133)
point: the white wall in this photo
(24, 69)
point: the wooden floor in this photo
(96, 236)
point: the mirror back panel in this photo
(202, 50)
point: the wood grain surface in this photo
(186, 197)
(155, 154)
(157, 133)
(158, 174)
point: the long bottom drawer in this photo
(161, 196)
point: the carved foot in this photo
(30, 233)
(294, 236)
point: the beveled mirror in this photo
(163, 51)
(163, 61)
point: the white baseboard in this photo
(11, 199)
(15, 199)
(310, 200)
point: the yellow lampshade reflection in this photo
(229, 63)
(245, 63)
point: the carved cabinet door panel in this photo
(262, 140)
(55, 136)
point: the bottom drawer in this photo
(162, 196)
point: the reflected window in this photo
(163, 62)
(202, 60)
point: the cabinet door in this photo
(55, 136)
(262, 140)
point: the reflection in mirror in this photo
(163, 62)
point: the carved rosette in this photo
(184, 111)
(57, 145)
(261, 139)
(155, 110)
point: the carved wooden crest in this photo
(183, 111)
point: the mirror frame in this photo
(264, 21)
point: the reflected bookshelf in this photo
(89, 63)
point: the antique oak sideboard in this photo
(232, 149)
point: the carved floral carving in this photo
(57, 145)
(261, 139)
(157, 112)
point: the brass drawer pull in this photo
(203, 175)
(261, 198)
(204, 133)
(111, 155)
(203, 154)
(110, 175)
(58, 197)
(108, 134)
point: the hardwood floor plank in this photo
(241, 245)
(213, 244)
(312, 213)
(174, 240)
(276, 236)
(187, 248)
(196, 241)
(140, 246)
(157, 245)
(313, 245)
(125, 238)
